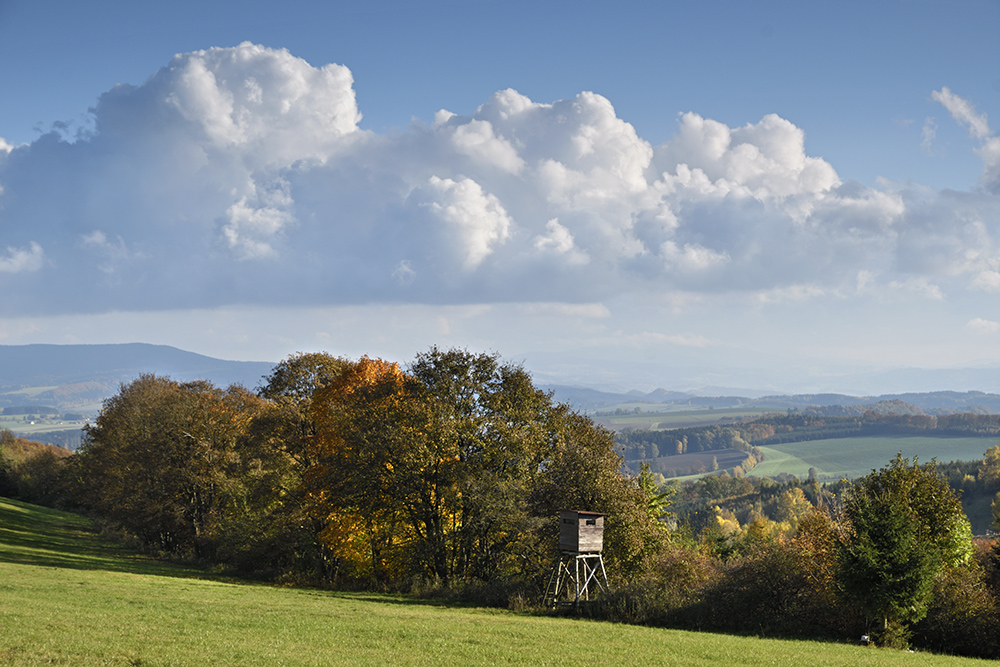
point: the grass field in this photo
(68, 599)
(854, 457)
(26, 428)
(724, 458)
(654, 421)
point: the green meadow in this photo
(849, 458)
(669, 419)
(69, 598)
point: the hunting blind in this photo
(580, 563)
(581, 532)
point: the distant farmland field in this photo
(671, 465)
(658, 421)
(849, 458)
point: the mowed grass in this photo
(84, 602)
(849, 458)
(670, 419)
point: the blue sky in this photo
(592, 224)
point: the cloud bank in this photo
(238, 176)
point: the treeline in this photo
(31, 410)
(799, 427)
(639, 445)
(669, 467)
(358, 473)
(886, 407)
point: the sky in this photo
(780, 196)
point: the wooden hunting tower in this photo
(580, 563)
(581, 532)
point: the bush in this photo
(663, 594)
(962, 618)
(769, 591)
(516, 593)
(31, 471)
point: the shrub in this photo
(769, 591)
(664, 594)
(962, 618)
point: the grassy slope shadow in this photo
(33, 535)
(51, 615)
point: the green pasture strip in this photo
(30, 391)
(777, 461)
(682, 418)
(75, 617)
(87, 613)
(850, 458)
(26, 430)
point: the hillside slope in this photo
(70, 598)
(67, 376)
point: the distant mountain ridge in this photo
(84, 373)
(936, 402)
(67, 376)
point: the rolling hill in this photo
(75, 376)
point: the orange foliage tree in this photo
(457, 468)
(373, 466)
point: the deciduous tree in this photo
(374, 466)
(989, 469)
(461, 464)
(164, 459)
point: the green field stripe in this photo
(777, 461)
(850, 458)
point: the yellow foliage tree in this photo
(792, 505)
(370, 424)
(989, 469)
(458, 466)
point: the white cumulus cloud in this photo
(240, 175)
(964, 112)
(22, 260)
(559, 241)
(476, 219)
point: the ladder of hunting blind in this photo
(574, 583)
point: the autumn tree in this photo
(459, 465)
(989, 469)
(8, 482)
(290, 387)
(439, 454)
(372, 466)
(164, 459)
(904, 525)
(286, 427)
(31, 471)
(791, 507)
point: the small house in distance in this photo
(581, 532)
